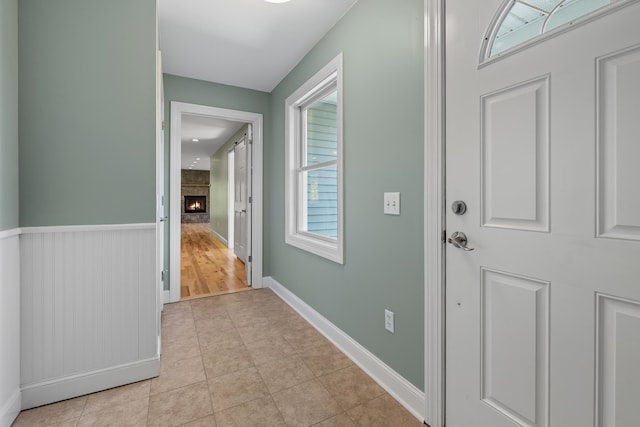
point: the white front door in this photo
(543, 146)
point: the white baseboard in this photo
(219, 237)
(46, 392)
(409, 396)
(10, 409)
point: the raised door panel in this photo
(618, 352)
(515, 157)
(617, 110)
(515, 346)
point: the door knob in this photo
(459, 240)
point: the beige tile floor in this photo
(244, 359)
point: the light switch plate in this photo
(389, 321)
(392, 203)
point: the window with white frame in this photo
(314, 217)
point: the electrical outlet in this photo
(388, 321)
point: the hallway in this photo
(243, 359)
(207, 266)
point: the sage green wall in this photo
(200, 92)
(87, 111)
(383, 44)
(220, 185)
(8, 114)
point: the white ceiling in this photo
(212, 133)
(246, 43)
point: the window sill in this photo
(322, 248)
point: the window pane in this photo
(527, 19)
(521, 24)
(573, 9)
(321, 130)
(321, 194)
(546, 5)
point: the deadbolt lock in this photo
(459, 207)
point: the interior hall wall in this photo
(383, 50)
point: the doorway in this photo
(208, 267)
(254, 182)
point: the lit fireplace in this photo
(195, 204)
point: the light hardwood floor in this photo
(208, 267)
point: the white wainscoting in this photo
(10, 397)
(412, 398)
(88, 311)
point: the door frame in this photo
(256, 120)
(434, 212)
(160, 195)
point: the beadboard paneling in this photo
(9, 327)
(88, 305)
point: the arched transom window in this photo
(521, 21)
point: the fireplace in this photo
(195, 204)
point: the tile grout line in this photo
(255, 366)
(298, 353)
(146, 423)
(213, 409)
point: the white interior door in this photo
(543, 316)
(240, 200)
(231, 197)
